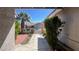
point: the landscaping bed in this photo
(21, 38)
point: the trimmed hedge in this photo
(52, 25)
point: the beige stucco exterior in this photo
(70, 33)
(7, 29)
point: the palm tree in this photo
(23, 17)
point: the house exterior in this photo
(70, 32)
(7, 29)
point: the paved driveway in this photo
(36, 43)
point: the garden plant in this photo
(52, 25)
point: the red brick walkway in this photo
(21, 38)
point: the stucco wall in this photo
(70, 33)
(7, 29)
(9, 42)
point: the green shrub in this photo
(52, 25)
(17, 29)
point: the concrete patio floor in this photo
(36, 43)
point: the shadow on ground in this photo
(43, 44)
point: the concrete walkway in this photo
(36, 43)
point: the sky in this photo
(36, 15)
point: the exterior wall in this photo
(9, 42)
(7, 29)
(70, 33)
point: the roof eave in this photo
(56, 11)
